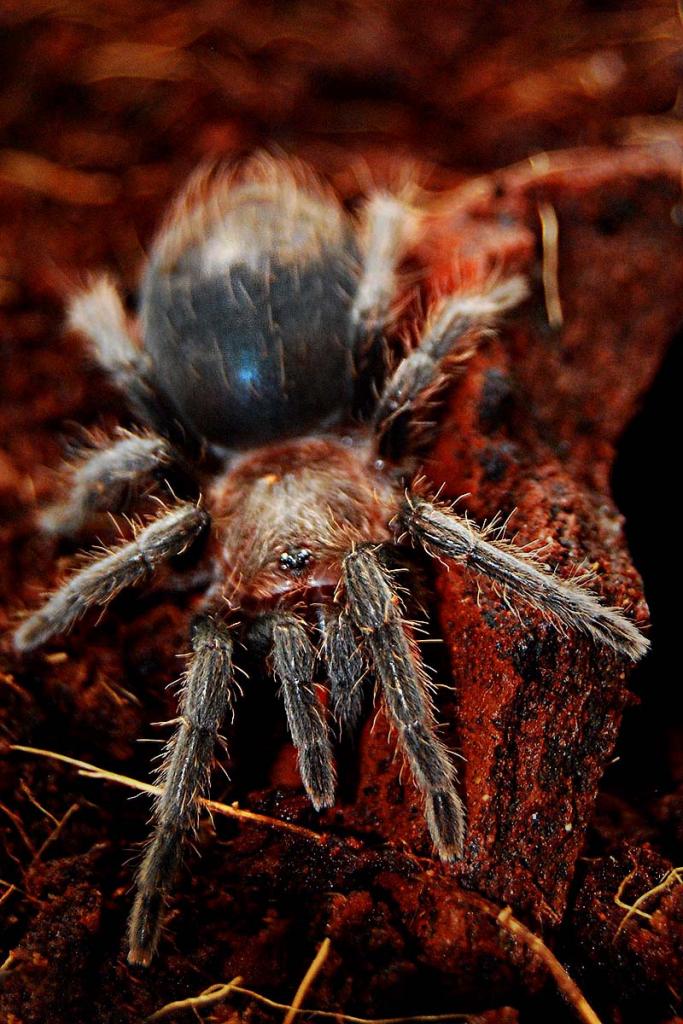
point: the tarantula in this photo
(253, 365)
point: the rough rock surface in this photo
(531, 434)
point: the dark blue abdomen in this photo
(246, 353)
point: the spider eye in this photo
(295, 560)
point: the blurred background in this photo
(106, 106)
(110, 104)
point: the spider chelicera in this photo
(254, 365)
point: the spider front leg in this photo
(208, 692)
(293, 661)
(375, 608)
(448, 333)
(345, 664)
(98, 583)
(104, 480)
(440, 531)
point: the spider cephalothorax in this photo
(263, 308)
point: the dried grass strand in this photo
(215, 993)
(672, 877)
(307, 980)
(212, 994)
(93, 772)
(569, 989)
(551, 281)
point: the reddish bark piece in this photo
(531, 427)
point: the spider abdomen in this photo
(246, 307)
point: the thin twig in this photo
(628, 906)
(307, 980)
(338, 1016)
(216, 992)
(674, 876)
(11, 887)
(56, 831)
(212, 994)
(43, 810)
(93, 772)
(19, 826)
(551, 269)
(567, 987)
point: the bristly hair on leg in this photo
(103, 479)
(346, 666)
(439, 530)
(293, 659)
(100, 581)
(208, 692)
(447, 341)
(375, 608)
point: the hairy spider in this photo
(253, 364)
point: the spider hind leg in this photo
(448, 340)
(388, 224)
(103, 481)
(98, 313)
